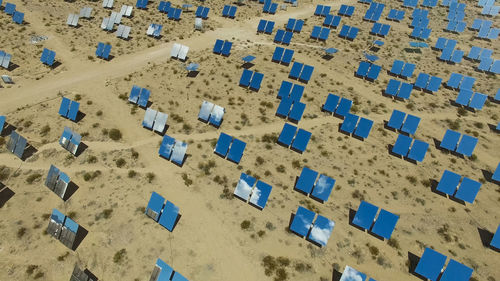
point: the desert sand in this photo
(208, 243)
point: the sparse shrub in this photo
(44, 130)
(245, 224)
(33, 177)
(120, 162)
(115, 134)
(150, 177)
(132, 174)
(120, 256)
(20, 232)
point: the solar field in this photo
(249, 140)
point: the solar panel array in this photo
(322, 10)
(155, 120)
(320, 33)
(202, 12)
(398, 89)
(270, 7)
(402, 69)
(251, 192)
(5, 59)
(294, 25)
(211, 113)
(380, 29)
(458, 81)
(374, 12)
(302, 72)
(456, 142)
(222, 47)
(70, 140)
(139, 96)
(429, 3)
(456, 186)
(310, 184)
(107, 3)
(17, 144)
(396, 15)
(154, 30)
(229, 11)
(382, 225)
(164, 6)
(179, 51)
(317, 231)
(470, 99)
(431, 266)
(73, 20)
(294, 138)
(282, 55)
(490, 10)
(418, 44)
(283, 36)
(141, 4)
(485, 28)
(230, 147)
(410, 148)
(358, 126)
(173, 150)
(291, 109)
(251, 79)
(123, 31)
(57, 181)
(410, 3)
(332, 21)
(63, 228)
(337, 105)
(346, 10)
(489, 65)
(427, 82)
(403, 122)
(164, 213)
(291, 91)
(348, 32)
(163, 272)
(48, 57)
(265, 26)
(368, 71)
(126, 11)
(103, 50)
(69, 108)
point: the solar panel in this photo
(450, 140)
(236, 151)
(149, 118)
(287, 134)
(365, 215)
(11, 144)
(405, 91)
(296, 70)
(344, 107)
(456, 271)
(301, 140)
(454, 80)
(155, 205)
(73, 110)
(166, 147)
(363, 128)
(321, 231)
(323, 188)
(297, 111)
(331, 103)
(351, 274)
(223, 144)
(332, 21)
(2, 123)
(169, 216)
(325, 32)
(315, 32)
(144, 97)
(5, 59)
(467, 145)
(107, 3)
(287, 56)
(418, 150)
(397, 67)
(9, 8)
(385, 224)
(302, 221)
(20, 147)
(392, 87)
(260, 194)
(179, 152)
(162, 271)
(363, 68)
(430, 264)
(306, 73)
(256, 81)
(55, 223)
(68, 232)
(64, 107)
(296, 93)
(495, 242)
(246, 77)
(396, 120)
(373, 72)
(478, 101)
(216, 116)
(410, 124)
(434, 84)
(468, 189)
(402, 145)
(244, 186)
(18, 17)
(449, 182)
(408, 70)
(349, 123)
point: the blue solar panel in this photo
(260, 194)
(408, 70)
(223, 143)
(468, 189)
(396, 120)
(373, 72)
(318, 10)
(2, 123)
(296, 70)
(457, 56)
(287, 56)
(9, 8)
(331, 103)
(315, 32)
(256, 81)
(321, 231)
(284, 107)
(285, 89)
(71, 225)
(365, 215)
(449, 182)
(454, 80)
(344, 31)
(306, 73)
(290, 24)
(411, 124)
(301, 140)
(405, 91)
(418, 150)
(376, 28)
(478, 101)
(261, 26)
(64, 108)
(349, 124)
(306, 180)
(344, 107)
(392, 87)
(166, 271)
(302, 221)
(430, 264)
(287, 134)
(323, 188)
(155, 205)
(496, 174)
(353, 32)
(169, 216)
(246, 77)
(467, 145)
(236, 150)
(144, 97)
(244, 186)
(456, 271)
(299, 25)
(134, 94)
(297, 111)
(434, 84)
(57, 216)
(363, 68)
(385, 224)
(364, 127)
(495, 242)
(178, 277)
(73, 110)
(296, 93)
(402, 145)
(397, 67)
(440, 43)
(166, 147)
(450, 140)
(18, 17)
(325, 32)
(226, 49)
(218, 46)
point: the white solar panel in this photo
(118, 18)
(198, 23)
(149, 118)
(104, 23)
(126, 32)
(126, 11)
(6, 61)
(107, 3)
(85, 12)
(111, 22)
(74, 22)
(183, 52)
(160, 122)
(175, 50)
(150, 30)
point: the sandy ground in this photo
(208, 242)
